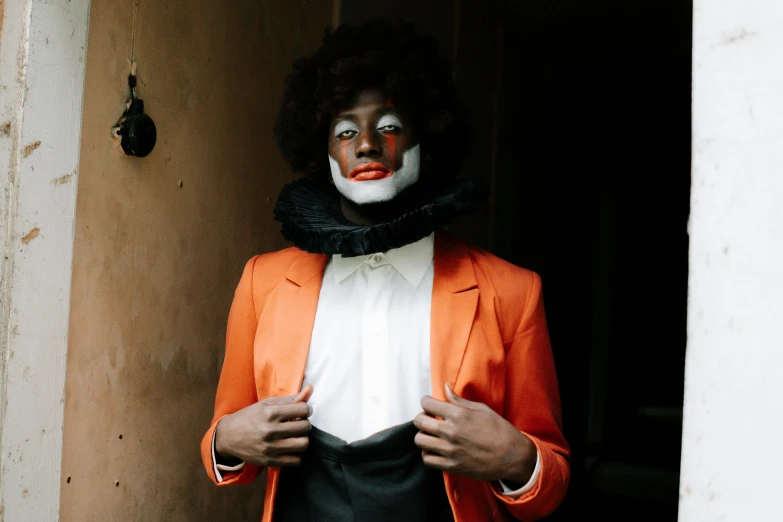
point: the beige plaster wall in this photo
(160, 243)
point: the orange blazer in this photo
(488, 338)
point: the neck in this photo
(369, 215)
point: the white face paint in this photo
(376, 190)
(345, 127)
(389, 122)
(379, 190)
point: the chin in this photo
(373, 191)
(372, 202)
(377, 191)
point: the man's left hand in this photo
(468, 438)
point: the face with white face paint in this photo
(373, 151)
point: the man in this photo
(382, 370)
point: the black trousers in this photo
(378, 479)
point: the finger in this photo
(289, 412)
(433, 460)
(303, 396)
(294, 428)
(436, 408)
(427, 424)
(288, 399)
(285, 461)
(291, 445)
(432, 444)
(453, 398)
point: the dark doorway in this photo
(582, 112)
(593, 190)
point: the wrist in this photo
(522, 462)
(222, 430)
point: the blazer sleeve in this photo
(237, 387)
(532, 404)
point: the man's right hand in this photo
(269, 433)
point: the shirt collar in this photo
(411, 261)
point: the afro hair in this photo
(380, 54)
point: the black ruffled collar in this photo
(313, 221)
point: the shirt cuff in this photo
(521, 491)
(222, 467)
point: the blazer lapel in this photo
(297, 301)
(454, 299)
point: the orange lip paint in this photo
(369, 171)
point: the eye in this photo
(346, 134)
(389, 123)
(345, 130)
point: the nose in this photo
(369, 144)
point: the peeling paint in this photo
(28, 149)
(62, 180)
(34, 233)
(5, 130)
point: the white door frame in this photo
(43, 47)
(733, 407)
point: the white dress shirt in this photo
(369, 358)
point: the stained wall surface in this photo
(160, 243)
